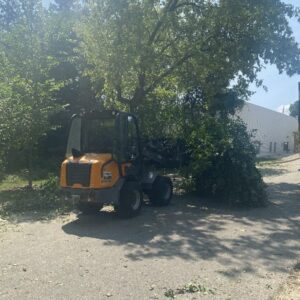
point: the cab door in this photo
(129, 150)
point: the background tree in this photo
(140, 48)
(151, 53)
(294, 109)
(24, 115)
(78, 92)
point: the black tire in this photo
(87, 208)
(130, 202)
(161, 192)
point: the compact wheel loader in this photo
(105, 165)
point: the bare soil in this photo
(190, 250)
(290, 290)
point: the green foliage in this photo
(294, 109)
(139, 48)
(78, 92)
(49, 190)
(27, 100)
(223, 162)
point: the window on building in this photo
(270, 147)
(257, 145)
(286, 146)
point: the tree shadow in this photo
(31, 205)
(191, 230)
(267, 172)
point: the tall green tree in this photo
(78, 91)
(24, 115)
(150, 53)
(149, 47)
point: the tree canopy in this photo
(142, 48)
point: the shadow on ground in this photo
(265, 171)
(191, 230)
(25, 205)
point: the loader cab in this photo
(107, 132)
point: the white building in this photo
(274, 130)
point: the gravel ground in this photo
(227, 254)
(290, 290)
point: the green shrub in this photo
(50, 196)
(223, 162)
(50, 185)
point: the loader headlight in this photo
(107, 175)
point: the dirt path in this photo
(290, 290)
(229, 254)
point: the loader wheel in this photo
(130, 202)
(88, 208)
(161, 192)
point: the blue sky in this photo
(282, 89)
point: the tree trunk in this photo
(30, 175)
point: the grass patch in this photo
(12, 182)
(45, 197)
(189, 288)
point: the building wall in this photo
(273, 128)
